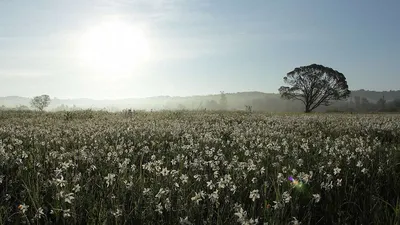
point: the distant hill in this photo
(376, 95)
(258, 100)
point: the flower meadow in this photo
(199, 168)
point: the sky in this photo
(193, 47)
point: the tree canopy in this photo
(314, 85)
(40, 102)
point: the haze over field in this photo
(108, 49)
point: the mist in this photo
(360, 100)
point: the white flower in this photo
(295, 221)
(327, 185)
(184, 178)
(277, 205)
(128, 184)
(23, 208)
(251, 222)
(159, 208)
(216, 174)
(214, 196)
(146, 191)
(164, 171)
(364, 170)
(117, 213)
(254, 194)
(316, 197)
(69, 197)
(286, 197)
(76, 188)
(160, 193)
(339, 182)
(198, 197)
(300, 162)
(280, 178)
(7, 197)
(184, 221)
(241, 214)
(359, 164)
(210, 184)
(110, 178)
(197, 177)
(233, 188)
(167, 204)
(262, 170)
(93, 167)
(173, 162)
(67, 213)
(336, 170)
(60, 181)
(39, 213)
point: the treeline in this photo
(359, 101)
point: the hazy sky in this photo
(196, 46)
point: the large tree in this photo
(314, 85)
(40, 102)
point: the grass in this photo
(199, 168)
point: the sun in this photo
(113, 47)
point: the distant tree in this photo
(314, 85)
(40, 102)
(357, 101)
(381, 103)
(223, 101)
(200, 107)
(365, 104)
(22, 107)
(212, 105)
(181, 107)
(249, 108)
(61, 107)
(127, 113)
(394, 105)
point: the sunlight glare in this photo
(114, 47)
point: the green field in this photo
(199, 168)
